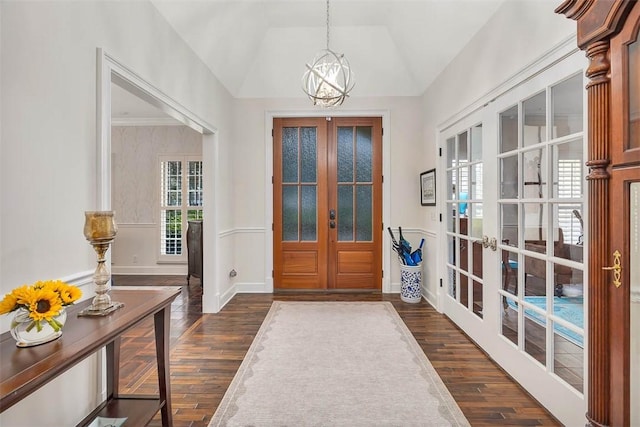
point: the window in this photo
(180, 201)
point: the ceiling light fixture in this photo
(328, 79)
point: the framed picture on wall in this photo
(428, 188)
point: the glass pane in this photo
(464, 290)
(535, 343)
(509, 177)
(451, 253)
(535, 119)
(463, 153)
(451, 284)
(364, 213)
(476, 143)
(194, 215)
(476, 249)
(571, 310)
(475, 216)
(567, 282)
(451, 220)
(463, 184)
(477, 299)
(510, 319)
(195, 183)
(634, 286)
(566, 98)
(464, 254)
(509, 219)
(534, 173)
(509, 264)
(345, 154)
(171, 232)
(634, 97)
(535, 232)
(568, 360)
(171, 183)
(535, 273)
(309, 156)
(568, 173)
(290, 213)
(345, 213)
(308, 215)
(568, 226)
(451, 152)
(509, 129)
(290, 155)
(476, 181)
(364, 154)
(451, 185)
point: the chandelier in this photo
(328, 79)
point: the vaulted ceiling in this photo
(259, 48)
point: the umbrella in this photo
(403, 250)
(416, 255)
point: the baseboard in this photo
(164, 269)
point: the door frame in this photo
(386, 184)
(110, 69)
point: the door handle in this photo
(616, 268)
(332, 224)
(332, 214)
(489, 243)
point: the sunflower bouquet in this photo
(43, 301)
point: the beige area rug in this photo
(336, 364)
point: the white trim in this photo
(109, 70)
(556, 54)
(158, 270)
(144, 121)
(137, 225)
(386, 184)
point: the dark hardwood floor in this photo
(207, 349)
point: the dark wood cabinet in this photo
(194, 249)
(608, 31)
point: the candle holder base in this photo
(100, 311)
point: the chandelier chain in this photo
(327, 24)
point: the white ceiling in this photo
(258, 48)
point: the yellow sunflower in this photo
(68, 294)
(21, 294)
(43, 304)
(8, 304)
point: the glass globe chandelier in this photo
(328, 79)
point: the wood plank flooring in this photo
(206, 351)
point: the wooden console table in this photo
(24, 370)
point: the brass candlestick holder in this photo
(100, 230)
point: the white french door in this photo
(514, 235)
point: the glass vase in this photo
(26, 332)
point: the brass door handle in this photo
(616, 268)
(489, 243)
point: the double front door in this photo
(327, 203)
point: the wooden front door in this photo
(327, 188)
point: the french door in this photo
(514, 278)
(327, 203)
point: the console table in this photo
(24, 370)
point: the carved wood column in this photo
(598, 154)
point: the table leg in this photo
(113, 368)
(162, 321)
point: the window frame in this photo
(184, 206)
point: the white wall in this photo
(135, 195)
(48, 147)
